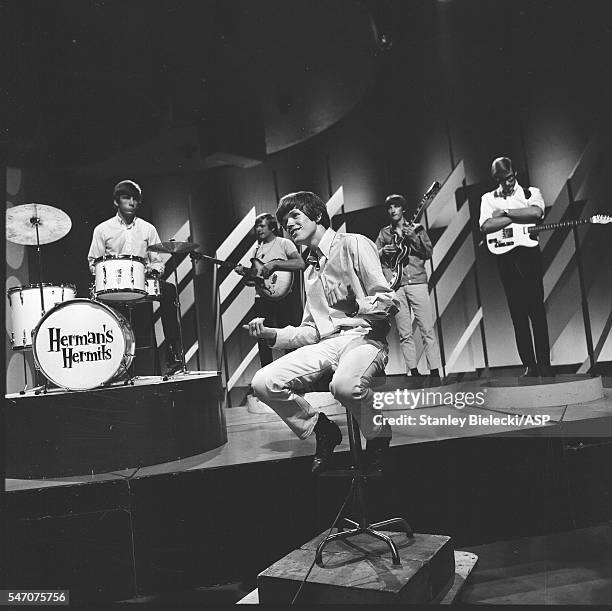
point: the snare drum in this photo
(120, 278)
(25, 307)
(82, 344)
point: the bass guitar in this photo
(275, 287)
(515, 234)
(398, 260)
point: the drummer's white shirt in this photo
(115, 237)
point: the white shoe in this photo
(255, 406)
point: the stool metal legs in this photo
(358, 493)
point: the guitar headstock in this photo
(601, 219)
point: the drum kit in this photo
(79, 343)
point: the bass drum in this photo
(82, 344)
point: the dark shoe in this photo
(376, 450)
(434, 378)
(414, 372)
(531, 371)
(328, 437)
(546, 371)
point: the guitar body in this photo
(397, 263)
(276, 286)
(400, 257)
(515, 234)
(510, 237)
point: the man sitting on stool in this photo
(343, 330)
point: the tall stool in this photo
(359, 475)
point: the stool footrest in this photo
(370, 530)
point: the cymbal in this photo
(21, 221)
(173, 247)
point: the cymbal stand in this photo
(179, 313)
(36, 222)
(130, 370)
(37, 388)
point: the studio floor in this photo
(257, 437)
(567, 568)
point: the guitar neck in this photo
(431, 193)
(550, 226)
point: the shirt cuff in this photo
(283, 337)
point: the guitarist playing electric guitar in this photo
(271, 254)
(520, 268)
(276, 254)
(411, 282)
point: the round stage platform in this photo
(507, 393)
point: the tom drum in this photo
(26, 311)
(120, 278)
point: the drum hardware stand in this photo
(25, 374)
(34, 224)
(179, 314)
(40, 388)
(172, 247)
(130, 379)
(35, 220)
(180, 321)
(129, 370)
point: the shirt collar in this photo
(498, 191)
(122, 222)
(326, 242)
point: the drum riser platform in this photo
(116, 539)
(67, 433)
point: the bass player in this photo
(413, 292)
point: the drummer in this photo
(127, 234)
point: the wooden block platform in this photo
(361, 571)
(506, 393)
(464, 564)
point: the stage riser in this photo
(219, 525)
(74, 537)
(109, 429)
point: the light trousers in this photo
(414, 300)
(355, 360)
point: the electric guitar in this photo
(397, 261)
(275, 287)
(515, 234)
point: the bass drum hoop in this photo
(128, 336)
